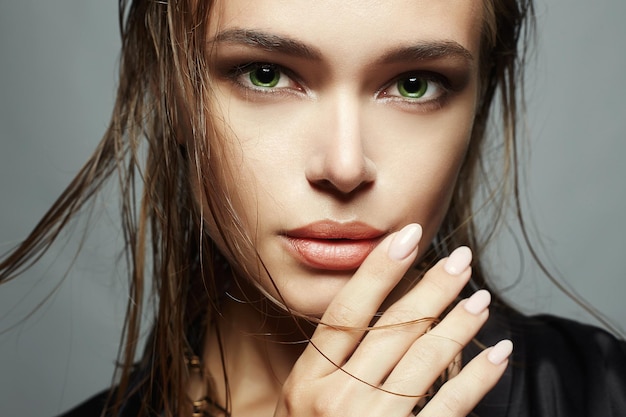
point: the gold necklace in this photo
(203, 406)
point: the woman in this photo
(293, 179)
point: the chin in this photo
(308, 296)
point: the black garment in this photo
(559, 368)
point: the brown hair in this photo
(164, 96)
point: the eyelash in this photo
(240, 76)
(437, 81)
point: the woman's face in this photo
(346, 120)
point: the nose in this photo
(338, 161)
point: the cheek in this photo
(423, 157)
(429, 190)
(266, 151)
(224, 194)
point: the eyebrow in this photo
(428, 50)
(268, 42)
(421, 51)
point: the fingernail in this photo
(458, 261)
(405, 242)
(500, 352)
(478, 302)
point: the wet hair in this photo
(163, 99)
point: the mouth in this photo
(333, 246)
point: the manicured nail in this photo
(458, 261)
(500, 352)
(405, 242)
(478, 302)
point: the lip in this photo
(333, 246)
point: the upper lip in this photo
(329, 229)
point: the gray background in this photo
(57, 75)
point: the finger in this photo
(459, 396)
(357, 302)
(436, 350)
(390, 340)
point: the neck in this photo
(260, 345)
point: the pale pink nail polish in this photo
(458, 261)
(478, 302)
(500, 352)
(405, 242)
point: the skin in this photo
(379, 158)
(335, 139)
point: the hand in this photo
(347, 371)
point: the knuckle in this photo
(299, 397)
(341, 314)
(479, 376)
(330, 403)
(323, 406)
(433, 284)
(453, 401)
(429, 352)
(423, 359)
(398, 316)
(291, 396)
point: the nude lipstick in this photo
(333, 246)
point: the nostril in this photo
(339, 191)
(341, 175)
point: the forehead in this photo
(356, 27)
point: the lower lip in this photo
(331, 254)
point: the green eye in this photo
(266, 76)
(413, 87)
